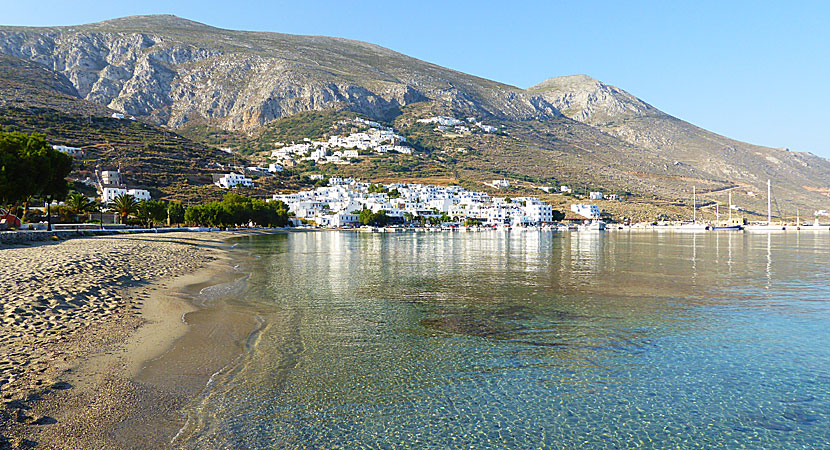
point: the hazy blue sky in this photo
(754, 71)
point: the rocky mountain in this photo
(29, 84)
(174, 72)
(35, 99)
(620, 114)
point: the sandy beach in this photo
(79, 317)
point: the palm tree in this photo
(124, 205)
(79, 203)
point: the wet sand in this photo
(91, 327)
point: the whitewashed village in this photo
(339, 204)
(341, 149)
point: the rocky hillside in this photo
(177, 71)
(797, 175)
(35, 99)
(174, 72)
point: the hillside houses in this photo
(339, 203)
(232, 180)
(442, 121)
(343, 149)
(111, 184)
(72, 151)
(587, 211)
(450, 126)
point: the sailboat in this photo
(768, 226)
(693, 225)
(730, 226)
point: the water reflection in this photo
(529, 340)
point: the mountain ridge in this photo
(175, 72)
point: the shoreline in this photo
(83, 378)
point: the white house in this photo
(587, 211)
(274, 168)
(538, 213)
(139, 194)
(338, 220)
(501, 183)
(118, 116)
(442, 120)
(111, 177)
(68, 150)
(595, 196)
(318, 154)
(565, 188)
(110, 193)
(234, 180)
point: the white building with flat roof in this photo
(537, 213)
(587, 211)
(111, 177)
(109, 194)
(139, 194)
(231, 180)
(68, 150)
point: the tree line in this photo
(235, 209)
(30, 168)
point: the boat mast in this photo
(694, 205)
(730, 207)
(769, 202)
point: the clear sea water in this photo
(526, 340)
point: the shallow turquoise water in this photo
(527, 340)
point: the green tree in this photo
(236, 209)
(30, 167)
(151, 211)
(125, 205)
(377, 189)
(175, 212)
(79, 204)
(367, 217)
(193, 215)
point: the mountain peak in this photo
(557, 83)
(586, 99)
(149, 22)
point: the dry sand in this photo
(81, 316)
